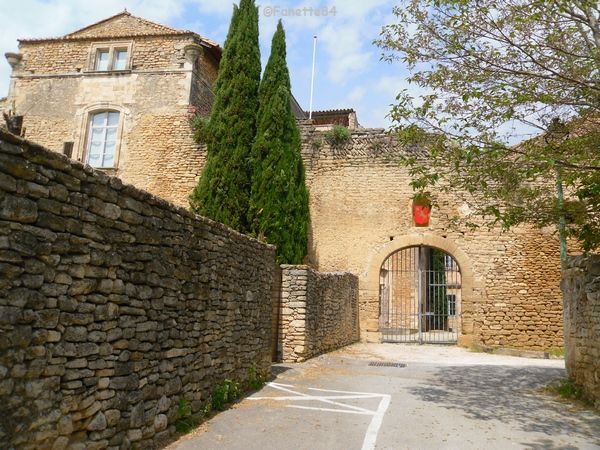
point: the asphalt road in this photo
(444, 398)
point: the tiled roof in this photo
(332, 112)
(332, 117)
(151, 27)
(120, 25)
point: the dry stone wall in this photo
(319, 312)
(581, 291)
(114, 305)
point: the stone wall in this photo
(114, 305)
(581, 291)
(62, 57)
(360, 203)
(319, 312)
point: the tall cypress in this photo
(223, 191)
(279, 200)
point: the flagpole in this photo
(312, 78)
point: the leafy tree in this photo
(223, 191)
(279, 200)
(486, 69)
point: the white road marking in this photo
(316, 397)
(366, 413)
(331, 402)
(374, 425)
(376, 421)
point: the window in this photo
(102, 139)
(101, 60)
(120, 59)
(451, 304)
(107, 57)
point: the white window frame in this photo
(112, 48)
(89, 134)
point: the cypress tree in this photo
(223, 191)
(279, 199)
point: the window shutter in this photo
(68, 149)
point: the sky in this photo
(349, 70)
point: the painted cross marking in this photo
(330, 397)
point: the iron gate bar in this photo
(417, 285)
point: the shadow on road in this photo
(508, 394)
(278, 369)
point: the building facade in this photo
(118, 95)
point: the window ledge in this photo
(107, 170)
(106, 72)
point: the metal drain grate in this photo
(386, 364)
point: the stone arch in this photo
(470, 286)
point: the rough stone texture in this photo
(319, 312)
(56, 90)
(581, 291)
(114, 305)
(360, 203)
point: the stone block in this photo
(18, 209)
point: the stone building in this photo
(118, 95)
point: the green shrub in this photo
(256, 380)
(568, 389)
(185, 422)
(225, 393)
(338, 135)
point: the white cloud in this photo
(357, 94)
(346, 54)
(391, 86)
(211, 7)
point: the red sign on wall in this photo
(421, 215)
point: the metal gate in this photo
(419, 296)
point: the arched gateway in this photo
(391, 283)
(419, 296)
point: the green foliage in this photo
(200, 125)
(337, 136)
(568, 389)
(557, 352)
(185, 421)
(256, 380)
(317, 144)
(437, 294)
(279, 201)
(488, 67)
(223, 191)
(224, 393)
(421, 198)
